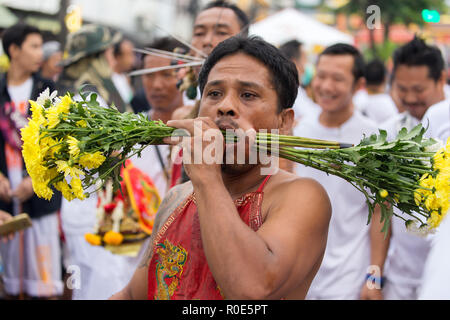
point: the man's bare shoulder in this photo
(300, 194)
(174, 197)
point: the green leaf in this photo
(417, 130)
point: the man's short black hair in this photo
(375, 73)
(241, 15)
(166, 44)
(292, 49)
(340, 49)
(283, 72)
(418, 53)
(17, 34)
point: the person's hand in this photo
(206, 140)
(24, 190)
(5, 217)
(370, 292)
(5, 189)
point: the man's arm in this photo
(378, 252)
(138, 286)
(278, 258)
(5, 189)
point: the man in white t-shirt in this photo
(379, 105)
(418, 80)
(348, 255)
(437, 118)
(32, 259)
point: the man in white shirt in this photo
(418, 82)
(379, 105)
(348, 255)
(437, 118)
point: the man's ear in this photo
(13, 49)
(286, 121)
(361, 83)
(442, 79)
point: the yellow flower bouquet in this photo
(72, 145)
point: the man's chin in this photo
(235, 169)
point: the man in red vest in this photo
(233, 231)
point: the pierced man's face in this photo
(239, 94)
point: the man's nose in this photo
(410, 97)
(228, 108)
(158, 82)
(326, 84)
(208, 40)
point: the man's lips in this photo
(157, 97)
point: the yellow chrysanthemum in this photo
(64, 105)
(432, 202)
(442, 183)
(434, 220)
(53, 117)
(113, 238)
(31, 150)
(49, 146)
(81, 123)
(73, 171)
(92, 160)
(77, 188)
(426, 183)
(93, 239)
(74, 148)
(37, 112)
(30, 133)
(64, 188)
(41, 189)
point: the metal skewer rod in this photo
(182, 41)
(175, 54)
(151, 70)
(151, 53)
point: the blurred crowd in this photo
(346, 98)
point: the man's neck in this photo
(375, 89)
(117, 69)
(16, 75)
(240, 184)
(46, 74)
(336, 119)
(164, 116)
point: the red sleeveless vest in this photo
(178, 268)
